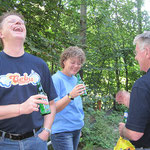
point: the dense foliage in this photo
(105, 29)
(111, 26)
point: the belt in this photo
(148, 148)
(18, 136)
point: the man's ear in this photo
(147, 49)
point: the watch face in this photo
(70, 96)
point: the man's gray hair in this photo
(142, 39)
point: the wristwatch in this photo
(70, 96)
(48, 130)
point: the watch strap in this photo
(48, 130)
(70, 96)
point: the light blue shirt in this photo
(71, 117)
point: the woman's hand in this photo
(78, 90)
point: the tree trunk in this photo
(83, 16)
(139, 5)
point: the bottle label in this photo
(126, 114)
(44, 109)
(125, 117)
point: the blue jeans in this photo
(31, 143)
(66, 140)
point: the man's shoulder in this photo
(34, 58)
(31, 55)
(143, 82)
(1, 53)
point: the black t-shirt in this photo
(139, 110)
(18, 81)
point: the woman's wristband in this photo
(70, 96)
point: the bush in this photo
(100, 129)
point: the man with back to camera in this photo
(137, 128)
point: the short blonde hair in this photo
(72, 51)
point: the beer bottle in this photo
(80, 81)
(44, 109)
(125, 117)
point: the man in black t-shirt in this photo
(137, 128)
(21, 124)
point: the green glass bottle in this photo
(80, 81)
(44, 109)
(125, 117)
